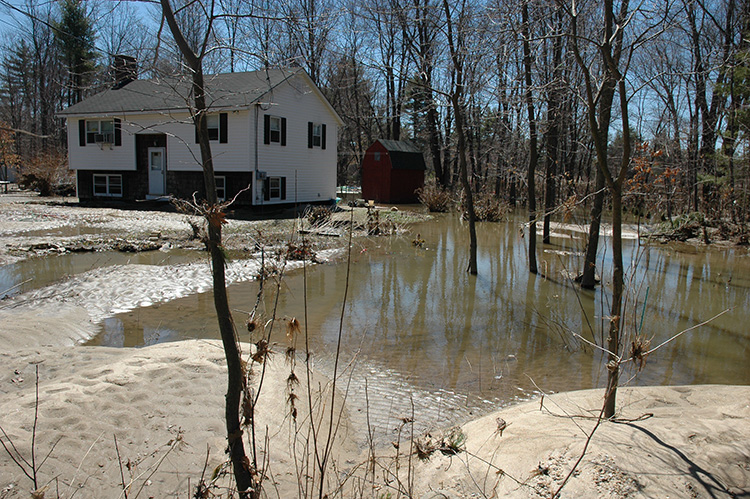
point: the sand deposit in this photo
(163, 405)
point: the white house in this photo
(272, 132)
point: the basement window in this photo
(274, 187)
(108, 185)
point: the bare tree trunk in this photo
(613, 340)
(554, 116)
(588, 277)
(532, 140)
(610, 50)
(221, 303)
(466, 185)
(459, 112)
(615, 187)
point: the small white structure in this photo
(272, 132)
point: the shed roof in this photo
(400, 146)
(404, 155)
(223, 91)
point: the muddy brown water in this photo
(420, 330)
(37, 272)
(415, 313)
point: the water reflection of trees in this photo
(419, 313)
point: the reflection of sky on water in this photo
(417, 311)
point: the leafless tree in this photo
(193, 56)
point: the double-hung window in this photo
(274, 130)
(221, 187)
(100, 131)
(108, 185)
(316, 135)
(218, 128)
(212, 123)
(274, 188)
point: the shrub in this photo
(48, 173)
(318, 215)
(487, 207)
(435, 198)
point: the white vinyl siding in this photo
(182, 152)
(310, 174)
(309, 177)
(120, 158)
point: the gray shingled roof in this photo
(400, 146)
(224, 91)
(405, 155)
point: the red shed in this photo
(391, 171)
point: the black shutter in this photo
(118, 132)
(323, 138)
(266, 129)
(283, 187)
(82, 133)
(309, 134)
(223, 128)
(195, 126)
(283, 131)
(267, 189)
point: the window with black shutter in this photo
(107, 131)
(316, 135)
(274, 130)
(274, 188)
(217, 126)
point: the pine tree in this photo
(74, 35)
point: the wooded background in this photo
(387, 68)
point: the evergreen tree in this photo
(74, 35)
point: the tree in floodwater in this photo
(533, 152)
(455, 46)
(193, 58)
(615, 61)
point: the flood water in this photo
(37, 272)
(417, 315)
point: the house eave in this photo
(142, 112)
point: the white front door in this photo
(157, 166)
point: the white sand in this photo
(696, 444)
(165, 403)
(151, 399)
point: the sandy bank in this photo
(693, 442)
(686, 441)
(163, 403)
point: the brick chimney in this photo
(125, 69)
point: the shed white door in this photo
(156, 170)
